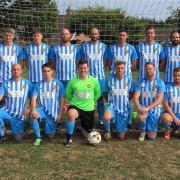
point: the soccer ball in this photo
(94, 138)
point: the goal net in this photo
(79, 15)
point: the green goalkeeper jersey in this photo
(83, 93)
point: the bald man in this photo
(16, 91)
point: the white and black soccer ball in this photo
(94, 138)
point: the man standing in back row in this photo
(10, 53)
(64, 57)
(172, 53)
(149, 51)
(36, 54)
(95, 53)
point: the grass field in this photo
(113, 160)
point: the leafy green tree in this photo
(174, 18)
(107, 21)
(24, 15)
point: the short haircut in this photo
(36, 31)
(117, 63)
(18, 65)
(81, 62)
(9, 30)
(176, 70)
(171, 34)
(150, 63)
(122, 29)
(93, 27)
(67, 28)
(150, 27)
(48, 65)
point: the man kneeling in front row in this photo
(82, 92)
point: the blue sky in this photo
(158, 9)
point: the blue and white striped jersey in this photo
(172, 54)
(15, 95)
(36, 57)
(9, 55)
(172, 95)
(95, 54)
(65, 57)
(126, 53)
(49, 95)
(149, 53)
(148, 92)
(118, 93)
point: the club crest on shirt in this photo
(71, 50)
(13, 52)
(89, 85)
(126, 51)
(53, 86)
(154, 86)
(2, 58)
(154, 49)
(99, 49)
(43, 50)
(22, 86)
(125, 84)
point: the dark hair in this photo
(150, 63)
(119, 63)
(93, 27)
(122, 29)
(176, 70)
(81, 62)
(171, 34)
(64, 29)
(150, 27)
(36, 30)
(48, 65)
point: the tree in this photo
(24, 15)
(107, 21)
(174, 18)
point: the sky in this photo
(153, 9)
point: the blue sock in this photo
(130, 113)
(69, 126)
(166, 126)
(142, 126)
(36, 128)
(106, 125)
(100, 110)
(1, 128)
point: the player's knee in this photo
(107, 115)
(166, 118)
(72, 114)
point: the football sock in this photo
(142, 125)
(36, 128)
(70, 126)
(106, 126)
(100, 110)
(2, 133)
